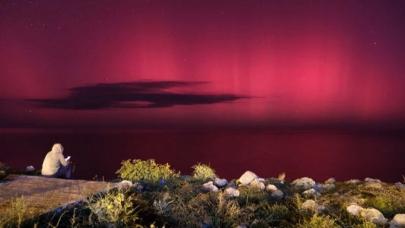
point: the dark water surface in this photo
(318, 154)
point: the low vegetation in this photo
(15, 213)
(145, 171)
(161, 197)
(203, 172)
(115, 207)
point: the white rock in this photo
(398, 221)
(278, 194)
(330, 181)
(232, 192)
(368, 179)
(261, 179)
(304, 183)
(209, 186)
(354, 209)
(400, 186)
(220, 182)
(30, 168)
(321, 208)
(247, 177)
(309, 205)
(138, 186)
(353, 181)
(324, 187)
(373, 215)
(257, 184)
(271, 188)
(311, 193)
(125, 184)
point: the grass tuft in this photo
(145, 171)
(203, 172)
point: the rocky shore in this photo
(154, 195)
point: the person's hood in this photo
(57, 148)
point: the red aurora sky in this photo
(189, 62)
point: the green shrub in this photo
(145, 170)
(318, 221)
(203, 172)
(115, 207)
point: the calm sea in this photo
(316, 153)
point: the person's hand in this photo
(68, 160)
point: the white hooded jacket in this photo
(53, 160)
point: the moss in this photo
(145, 171)
(203, 172)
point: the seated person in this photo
(55, 164)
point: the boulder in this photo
(311, 193)
(220, 182)
(247, 178)
(330, 181)
(310, 205)
(278, 194)
(138, 186)
(303, 183)
(369, 214)
(398, 221)
(257, 184)
(324, 187)
(354, 209)
(313, 206)
(210, 187)
(373, 215)
(353, 181)
(29, 169)
(232, 192)
(261, 179)
(368, 179)
(400, 186)
(271, 188)
(125, 184)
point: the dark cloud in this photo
(144, 94)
